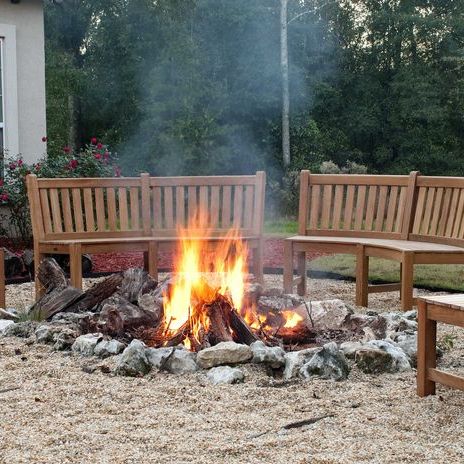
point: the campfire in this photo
(207, 302)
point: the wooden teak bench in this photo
(410, 219)
(104, 215)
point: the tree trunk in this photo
(285, 84)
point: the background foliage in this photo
(194, 86)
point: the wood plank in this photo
(123, 209)
(348, 216)
(445, 378)
(444, 212)
(67, 214)
(77, 209)
(56, 211)
(452, 212)
(111, 203)
(304, 203)
(134, 208)
(428, 211)
(370, 211)
(248, 210)
(169, 207)
(459, 215)
(380, 216)
(408, 214)
(89, 182)
(443, 182)
(327, 206)
(203, 204)
(88, 208)
(146, 203)
(35, 208)
(157, 211)
(436, 211)
(381, 288)
(192, 203)
(258, 210)
(100, 209)
(391, 209)
(360, 207)
(338, 203)
(47, 219)
(180, 206)
(226, 199)
(358, 179)
(197, 181)
(314, 206)
(238, 206)
(400, 211)
(419, 210)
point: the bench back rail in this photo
(144, 206)
(355, 205)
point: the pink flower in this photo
(93, 140)
(67, 149)
(12, 166)
(20, 162)
(37, 167)
(97, 156)
(44, 139)
(106, 155)
(99, 146)
(1, 182)
(4, 197)
(73, 164)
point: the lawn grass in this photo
(281, 226)
(432, 276)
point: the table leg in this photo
(426, 350)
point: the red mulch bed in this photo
(112, 262)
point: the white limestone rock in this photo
(328, 363)
(225, 375)
(273, 356)
(85, 344)
(224, 353)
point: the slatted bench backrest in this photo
(144, 206)
(91, 207)
(356, 205)
(217, 203)
(439, 212)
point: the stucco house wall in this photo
(22, 31)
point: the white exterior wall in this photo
(22, 27)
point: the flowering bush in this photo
(94, 160)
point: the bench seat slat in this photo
(56, 210)
(67, 214)
(77, 209)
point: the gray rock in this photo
(349, 349)
(46, 333)
(279, 302)
(273, 356)
(107, 348)
(70, 318)
(65, 339)
(85, 344)
(327, 314)
(396, 322)
(224, 353)
(408, 343)
(21, 329)
(133, 362)
(9, 313)
(401, 361)
(374, 361)
(367, 325)
(411, 315)
(327, 363)
(4, 323)
(294, 360)
(176, 360)
(225, 375)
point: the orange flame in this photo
(204, 269)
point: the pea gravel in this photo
(60, 414)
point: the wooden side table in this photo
(450, 310)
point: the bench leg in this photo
(75, 264)
(258, 262)
(407, 279)
(426, 350)
(301, 263)
(288, 266)
(362, 276)
(152, 260)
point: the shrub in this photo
(94, 160)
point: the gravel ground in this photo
(60, 414)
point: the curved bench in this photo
(410, 219)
